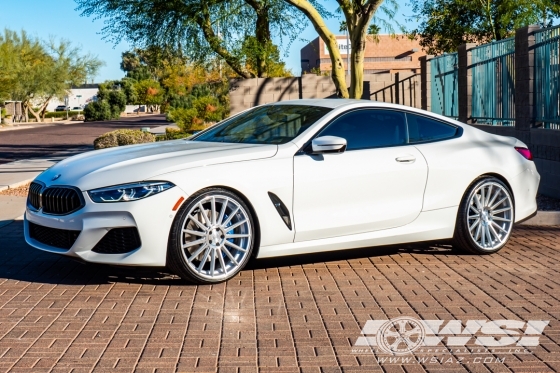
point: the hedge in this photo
(173, 134)
(61, 114)
(122, 137)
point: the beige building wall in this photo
(389, 54)
(399, 88)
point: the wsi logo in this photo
(404, 335)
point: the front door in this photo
(377, 183)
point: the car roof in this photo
(340, 103)
(324, 102)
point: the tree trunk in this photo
(262, 35)
(358, 42)
(29, 109)
(204, 21)
(337, 72)
(262, 32)
(358, 20)
(43, 110)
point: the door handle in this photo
(408, 158)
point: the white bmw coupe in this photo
(281, 179)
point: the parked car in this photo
(77, 108)
(281, 179)
(61, 108)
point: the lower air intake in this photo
(118, 241)
(59, 238)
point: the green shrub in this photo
(111, 102)
(173, 134)
(97, 110)
(202, 110)
(122, 137)
(186, 119)
(61, 114)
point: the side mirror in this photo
(328, 144)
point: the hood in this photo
(125, 164)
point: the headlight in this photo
(128, 192)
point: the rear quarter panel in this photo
(454, 164)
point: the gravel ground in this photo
(544, 203)
(17, 192)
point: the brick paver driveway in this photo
(299, 314)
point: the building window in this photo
(373, 59)
(387, 59)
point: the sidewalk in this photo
(29, 125)
(18, 173)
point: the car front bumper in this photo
(152, 216)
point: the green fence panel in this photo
(444, 85)
(547, 78)
(493, 83)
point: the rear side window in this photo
(369, 128)
(424, 129)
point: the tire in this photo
(485, 217)
(212, 237)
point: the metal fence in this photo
(493, 83)
(444, 85)
(547, 78)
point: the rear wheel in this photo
(485, 218)
(212, 237)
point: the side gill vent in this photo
(282, 209)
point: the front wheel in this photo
(485, 218)
(212, 237)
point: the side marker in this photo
(178, 204)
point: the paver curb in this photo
(544, 218)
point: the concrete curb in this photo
(544, 218)
(15, 185)
(27, 126)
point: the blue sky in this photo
(59, 19)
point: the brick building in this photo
(389, 54)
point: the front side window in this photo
(364, 129)
(423, 129)
(271, 124)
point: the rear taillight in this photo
(526, 153)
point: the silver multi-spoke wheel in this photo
(490, 215)
(485, 217)
(216, 237)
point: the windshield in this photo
(271, 124)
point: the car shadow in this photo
(425, 248)
(21, 262)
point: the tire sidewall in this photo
(175, 249)
(465, 209)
